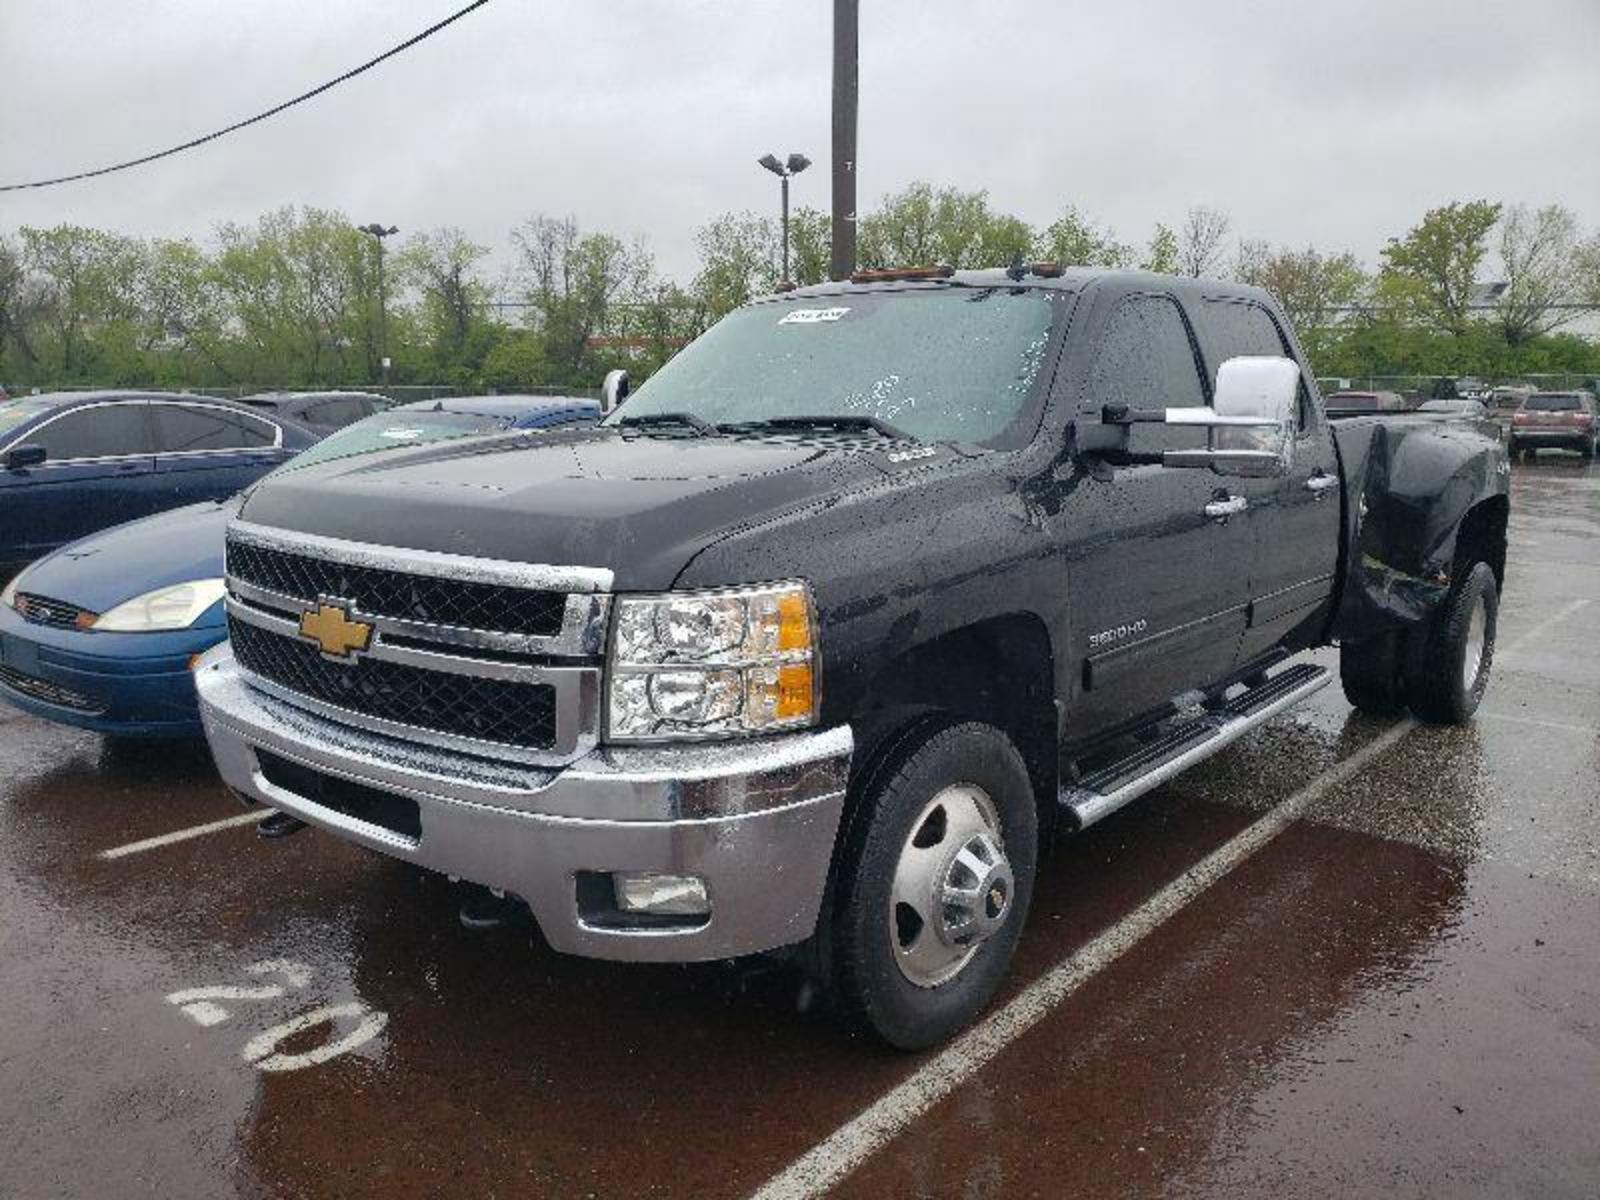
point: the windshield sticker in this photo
(811, 316)
(408, 433)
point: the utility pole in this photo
(377, 230)
(846, 58)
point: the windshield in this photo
(393, 431)
(1552, 403)
(952, 364)
(1354, 401)
(16, 412)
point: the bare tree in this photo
(1311, 286)
(1200, 244)
(1536, 250)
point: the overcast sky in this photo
(1336, 123)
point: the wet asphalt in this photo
(1397, 996)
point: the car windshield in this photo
(395, 430)
(16, 412)
(947, 364)
(1553, 403)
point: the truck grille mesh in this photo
(490, 710)
(377, 592)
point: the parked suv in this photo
(1556, 420)
(814, 643)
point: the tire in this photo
(1370, 674)
(1588, 448)
(891, 972)
(1453, 668)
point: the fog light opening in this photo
(646, 892)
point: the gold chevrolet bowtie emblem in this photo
(331, 628)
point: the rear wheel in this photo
(1454, 667)
(931, 886)
(1369, 671)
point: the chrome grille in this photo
(381, 592)
(499, 711)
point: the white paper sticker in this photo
(407, 434)
(810, 316)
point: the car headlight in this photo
(713, 664)
(175, 607)
(8, 594)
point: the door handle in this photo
(1221, 510)
(1320, 483)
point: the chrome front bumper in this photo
(755, 820)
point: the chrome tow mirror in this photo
(1250, 419)
(614, 390)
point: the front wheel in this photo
(1455, 661)
(931, 886)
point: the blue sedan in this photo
(72, 463)
(101, 634)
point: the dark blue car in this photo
(75, 462)
(102, 633)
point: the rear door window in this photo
(1147, 360)
(98, 431)
(186, 428)
(1233, 328)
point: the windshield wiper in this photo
(842, 422)
(676, 420)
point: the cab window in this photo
(1147, 360)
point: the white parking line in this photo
(1561, 726)
(830, 1161)
(183, 835)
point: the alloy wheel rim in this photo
(952, 887)
(1477, 637)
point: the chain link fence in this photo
(1421, 386)
(399, 393)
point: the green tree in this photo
(1427, 275)
(738, 260)
(1073, 239)
(1311, 286)
(301, 289)
(576, 284)
(922, 226)
(87, 283)
(443, 268)
(1537, 252)
(810, 245)
(1161, 255)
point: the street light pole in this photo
(378, 232)
(784, 170)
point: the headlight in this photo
(168, 608)
(8, 594)
(713, 664)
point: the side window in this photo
(1231, 328)
(101, 431)
(1146, 360)
(182, 428)
(340, 410)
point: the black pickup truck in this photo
(819, 638)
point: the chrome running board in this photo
(1187, 741)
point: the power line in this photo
(271, 112)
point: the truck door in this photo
(1294, 520)
(1158, 558)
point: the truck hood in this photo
(641, 506)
